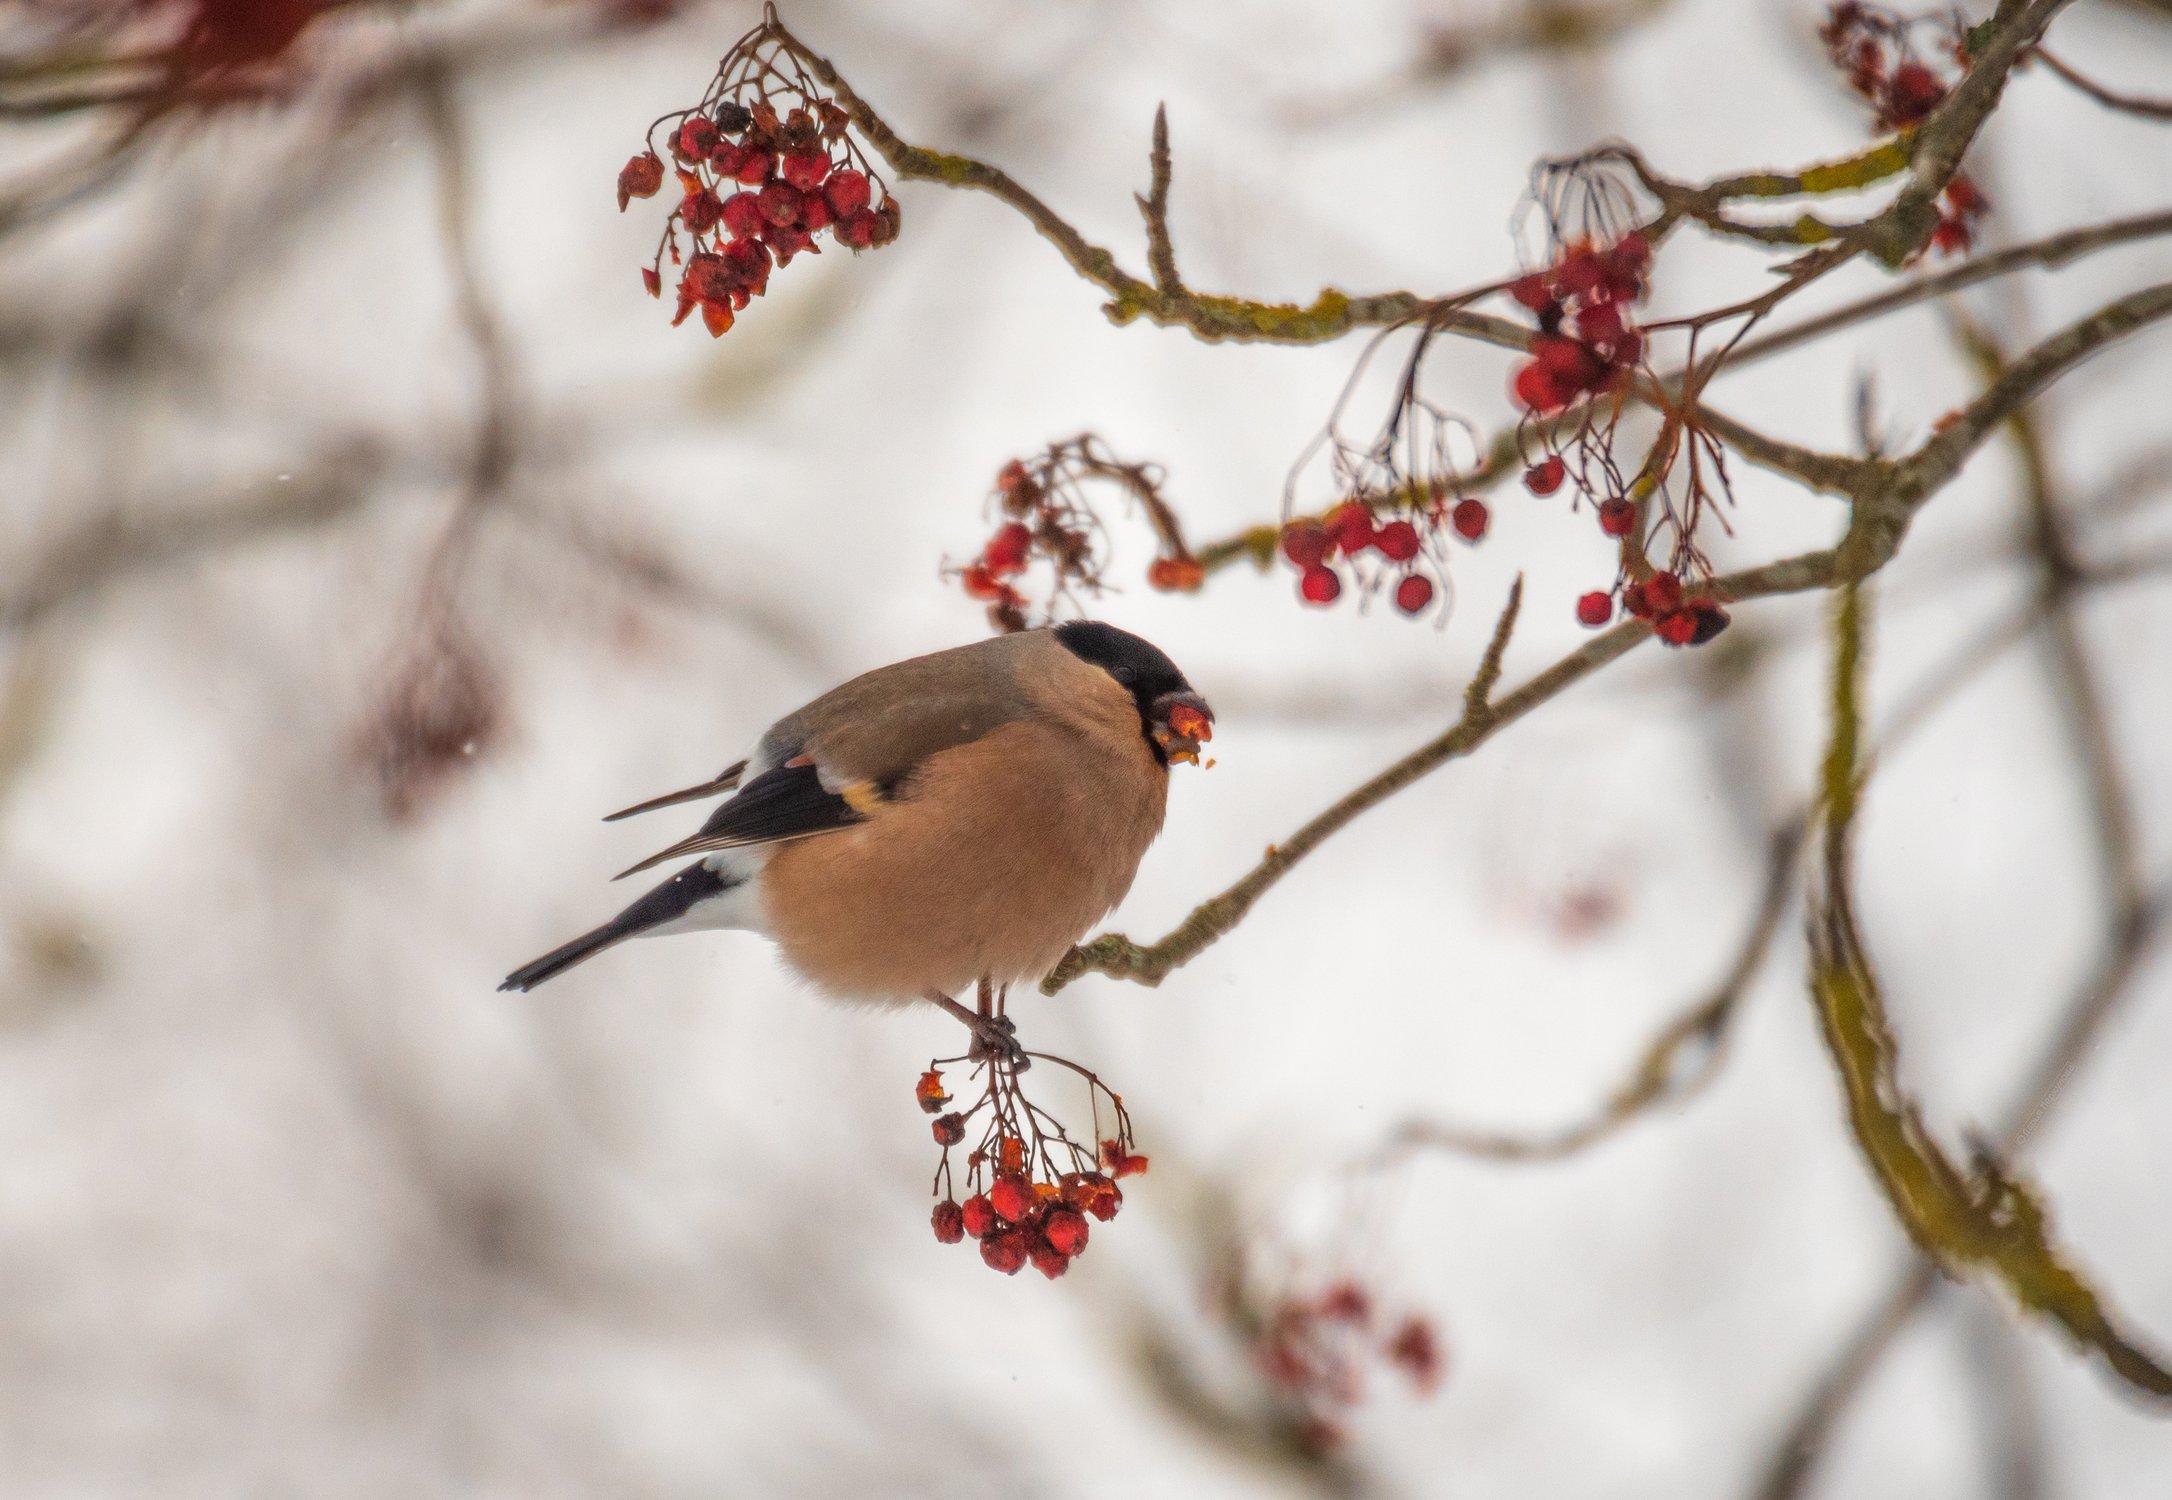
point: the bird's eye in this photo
(1124, 675)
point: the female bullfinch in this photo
(952, 818)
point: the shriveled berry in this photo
(653, 279)
(1545, 476)
(785, 242)
(1304, 542)
(640, 178)
(717, 318)
(1594, 609)
(732, 117)
(1175, 575)
(1118, 1161)
(977, 1215)
(1664, 592)
(1417, 1352)
(929, 1092)
(1617, 516)
(949, 1222)
(1320, 585)
(1678, 628)
(949, 1129)
(1711, 620)
(1010, 1198)
(981, 583)
(1414, 593)
(1066, 1230)
(804, 169)
(1005, 1251)
(1397, 541)
(847, 191)
(888, 219)
(1106, 1200)
(1469, 519)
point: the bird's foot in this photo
(994, 1036)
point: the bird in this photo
(955, 819)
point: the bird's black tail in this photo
(673, 899)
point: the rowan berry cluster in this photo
(1388, 556)
(1031, 1193)
(1588, 343)
(1876, 50)
(764, 163)
(1045, 516)
(1315, 1343)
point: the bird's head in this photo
(1174, 718)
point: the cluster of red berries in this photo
(1681, 615)
(1025, 1203)
(1314, 1349)
(1353, 533)
(1873, 47)
(1043, 515)
(756, 188)
(1587, 343)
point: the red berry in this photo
(1632, 252)
(640, 178)
(1469, 519)
(977, 1216)
(747, 259)
(1005, 1252)
(814, 213)
(1175, 575)
(1007, 551)
(949, 1129)
(1066, 1230)
(785, 242)
(1304, 542)
(805, 169)
(847, 192)
(1536, 390)
(1572, 366)
(1352, 528)
(780, 204)
(1579, 272)
(724, 159)
(1633, 602)
(1414, 593)
(1664, 593)
(1532, 292)
(1545, 476)
(1617, 516)
(1009, 1198)
(1320, 585)
(754, 166)
(980, 583)
(1397, 541)
(699, 211)
(695, 139)
(1418, 1353)
(743, 215)
(717, 318)
(1600, 323)
(1047, 1259)
(1594, 609)
(1107, 1198)
(1678, 628)
(857, 229)
(949, 1222)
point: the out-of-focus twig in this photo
(2126, 104)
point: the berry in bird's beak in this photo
(1182, 723)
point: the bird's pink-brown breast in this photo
(994, 857)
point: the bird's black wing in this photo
(785, 802)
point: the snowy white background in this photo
(295, 1204)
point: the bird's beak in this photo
(1182, 723)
